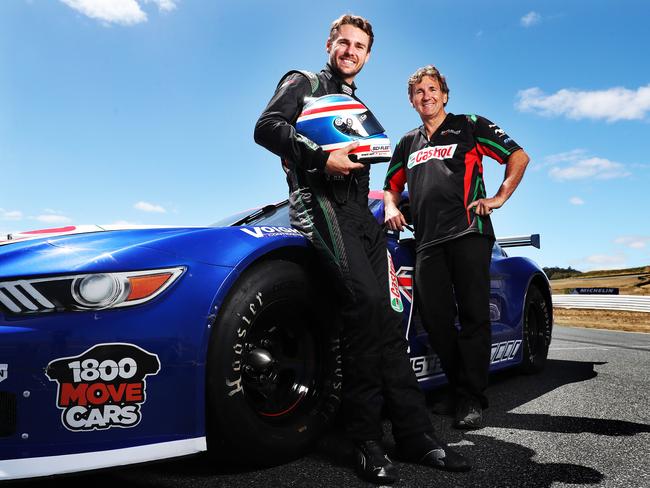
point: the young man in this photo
(329, 205)
(442, 163)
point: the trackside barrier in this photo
(630, 303)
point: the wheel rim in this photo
(280, 365)
(534, 334)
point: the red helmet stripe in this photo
(357, 150)
(332, 108)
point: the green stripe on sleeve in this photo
(392, 170)
(494, 144)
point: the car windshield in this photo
(271, 215)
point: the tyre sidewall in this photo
(534, 355)
(231, 416)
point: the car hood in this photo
(99, 248)
(30, 235)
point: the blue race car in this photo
(125, 346)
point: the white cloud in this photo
(611, 105)
(10, 214)
(164, 5)
(149, 207)
(598, 168)
(605, 261)
(634, 242)
(576, 201)
(579, 165)
(124, 12)
(531, 18)
(573, 155)
(51, 218)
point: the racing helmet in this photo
(335, 121)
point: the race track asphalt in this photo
(584, 421)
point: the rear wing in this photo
(517, 241)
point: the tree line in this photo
(557, 273)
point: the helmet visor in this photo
(363, 124)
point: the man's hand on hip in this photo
(484, 206)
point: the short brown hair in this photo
(355, 21)
(428, 70)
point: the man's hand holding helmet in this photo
(338, 162)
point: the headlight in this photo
(95, 291)
(100, 290)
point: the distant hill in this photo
(556, 273)
(617, 272)
(629, 281)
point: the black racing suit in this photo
(332, 212)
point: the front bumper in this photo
(63, 405)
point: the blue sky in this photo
(142, 111)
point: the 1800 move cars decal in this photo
(103, 387)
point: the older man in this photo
(442, 163)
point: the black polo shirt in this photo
(445, 174)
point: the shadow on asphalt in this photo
(496, 463)
(568, 424)
(557, 373)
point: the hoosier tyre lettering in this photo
(273, 372)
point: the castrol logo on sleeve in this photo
(430, 153)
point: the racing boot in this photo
(373, 464)
(469, 414)
(427, 450)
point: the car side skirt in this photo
(71, 463)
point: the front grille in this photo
(22, 297)
(7, 413)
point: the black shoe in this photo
(372, 463)
(469, 415)
(426, 450)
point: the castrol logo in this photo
(393, 286)
(428, 153)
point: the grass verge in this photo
(603, 319)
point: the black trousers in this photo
(457, 272)
(377, 371)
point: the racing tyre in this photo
(536, 331)
(274, 367)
